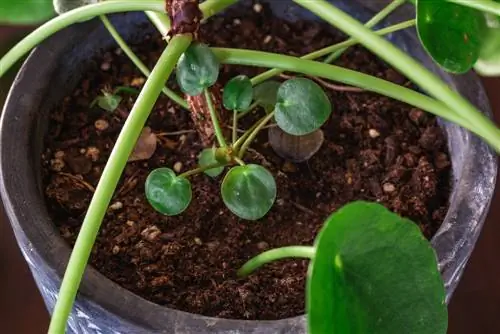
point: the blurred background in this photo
(475, 307)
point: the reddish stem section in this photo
(185, 17)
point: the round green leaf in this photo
(302, 106)
(197, 69)
(238, 93)
(452, 34)
(266, 94)
(166, 192)
(207, 158)
(25, 11)
(374, 272)
(249, 191)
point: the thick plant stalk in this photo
(110, 178)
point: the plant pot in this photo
(53, 70)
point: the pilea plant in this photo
(364, 256)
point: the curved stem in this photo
(377, 18)
(407, 66)
(215, 119)
(486, 6)
(138, 63)
(306, 252)
(68, 18)
(239, 161)
(329, 49)
(253, 134)
(200, 170)
(109, 180)
(252, 107)
(336, 73)
(240, 140)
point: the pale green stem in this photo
(357, 79)
(254, 134)
(252, 107)
(138, 63)
(333, 48)
(76, 15)
(235, 126)
(407, 66)
(486, 6)
(215, 119)
(305, 252)
(376, 19)
(239, 161)
(240, 140)
(109, 180)
(200, 170)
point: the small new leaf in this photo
(197, 69)
(166, 192)
(266, 94)
(238, 93)
(249, 191)
(107, 101)
(302, 106)
(371, 265)
(207, 158)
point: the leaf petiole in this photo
(253, 134)
(235, 126)
(306, 252)
(200, 170)
(215, 119)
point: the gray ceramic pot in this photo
(102, 306)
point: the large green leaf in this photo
(374, 272)
(197, 69)
(166, 192)
(302, 106)
(25, 11)
(452, 34)
(249, 191)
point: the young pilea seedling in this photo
(300, 108)
(109, 101)
(371, 271)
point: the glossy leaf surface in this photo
(374, 272)
(452, 34)
(197, 69)
(238, 93)
(249, 191)
(166, 192)
(207, 158)
(302, 106)
(488, 63)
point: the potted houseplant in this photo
(370, 269)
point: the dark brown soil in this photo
(376, 149)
